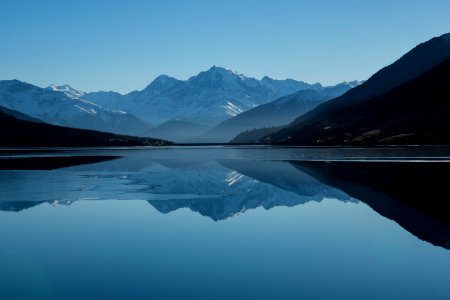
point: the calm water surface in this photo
(224, 223)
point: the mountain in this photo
(105, 99)
(318, 126)
(208, 98)
(416, 112)
(68, 90)
(16, 131)
(254, 136)
(18, 115)
(279, 112)
(340, 88)
(65, 106)
(274, 114)
(282, 86)
(177, 131)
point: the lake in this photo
(225, 223)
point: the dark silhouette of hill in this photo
(19, 115)
(400, 104)
(255, 135)
(21, 131)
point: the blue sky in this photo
(124, 45)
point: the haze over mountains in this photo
(276, 113)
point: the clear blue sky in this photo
(123, 45)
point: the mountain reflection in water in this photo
(410, 193)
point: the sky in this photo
(123, 45)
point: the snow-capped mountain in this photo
(63, 105)
(208, 98)
(68, 90)
(205, 100)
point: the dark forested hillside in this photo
(411, 112)
(15, 131)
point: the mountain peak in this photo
(224, 71)
(162, 82)
(267, 79)
(351, 84)
(59, 87)
(215, 68)
(164, 79)
(66, 89)
(446, 37)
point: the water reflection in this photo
(50, 162)
(412, 194)
(219, 188)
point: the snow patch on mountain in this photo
(90, 111)
(232, 110)
(68, 90)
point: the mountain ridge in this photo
(207, 98)
(313, 127)
(276, 113)
(18, 131)
(62, 106)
